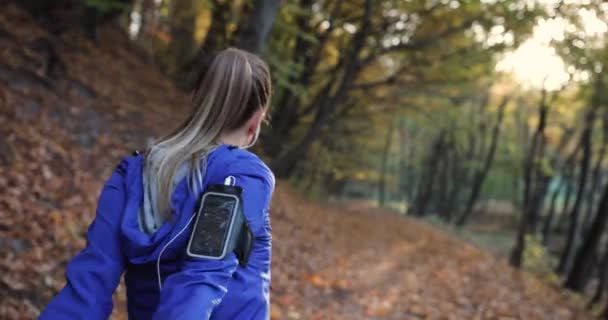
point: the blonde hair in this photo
(235, 86)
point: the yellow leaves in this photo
(54, 162)
(275, 313)
(349, 261)
(417, 310)
(381, 310)
(162, 36)
(537, 260)
(362, 263)
(318, 281)
(203, 22)
(56, 218)
(331, 56)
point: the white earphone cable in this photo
(160, 285)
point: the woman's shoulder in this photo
(128, 163)
(238, 161)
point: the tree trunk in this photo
(412, 176)
(286, 113)
(443, 205)
(148, 22)
(215, 40)
(596, 176)
(457, 174)
(427, 181)
(384, 169)
(583, 262)
(530, 167)
(284, 165)
(551, 214)
(403, 161)
(595, 184)
(586, 137)
(538, 199)
(314, 174)
(567, 175)
(253, 33)
(182, 23)
(603, 280)
(481, 174)
(566, 207)
(217, 35)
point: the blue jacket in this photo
(192, 288)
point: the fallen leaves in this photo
(59, 140)
(393, 268)
(329, 261)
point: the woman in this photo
(146, 208)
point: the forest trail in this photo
(64, 127)
(346, 262)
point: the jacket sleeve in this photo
(93, 274)
(200, 285)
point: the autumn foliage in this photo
(65, 125)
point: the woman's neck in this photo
(232, 138)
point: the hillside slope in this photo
(64, 128)
(69, 110)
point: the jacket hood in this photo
(144, 233)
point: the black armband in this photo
(220, 226)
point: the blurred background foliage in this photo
(423, 106)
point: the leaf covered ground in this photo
(63, 128)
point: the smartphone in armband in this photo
(220, 226)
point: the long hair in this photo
(235, 85)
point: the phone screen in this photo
(212, 226)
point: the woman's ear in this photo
(255, 122)
(252, 128)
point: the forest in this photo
(457, 147)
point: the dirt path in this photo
(370, 264)
(62, 138)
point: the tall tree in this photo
(430, 170)
(182, 24)
(480, 174)
(420, 42)
(602, 286)
(385, 158)
(585, 163)
(217, 38)
(583, 262)
(531, 173)
(254, 30)
(403, 160)
(306, 55)
(444, 204)
(563, 175)
(548, 222)
(327, 104)
(596, 176)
